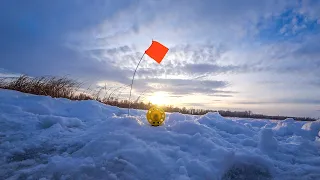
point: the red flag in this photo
(157, 51)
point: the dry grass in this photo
(47, 86)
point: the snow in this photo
(54, 138)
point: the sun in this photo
(159, 98)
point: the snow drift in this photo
(47, 138)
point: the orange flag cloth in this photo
(157, 51)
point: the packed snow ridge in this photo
(52, 138)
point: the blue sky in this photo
(262, 55)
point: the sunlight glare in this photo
(159, 98)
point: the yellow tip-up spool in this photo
(156, 116)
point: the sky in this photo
(262, 56)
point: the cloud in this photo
(217, 100)
(7, 74)
(188, 60)
(34, 38)
(221, 95)
(310, 8)
(197, 105)
(303, 57)
(309, 49)
(315, 83)
(294, 23)
(208, 68)
(181, 86)
(282, 101)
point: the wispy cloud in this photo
(181, 86)
(282, 101)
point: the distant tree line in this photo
(192, 111)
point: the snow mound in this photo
(175, 118)
(55, 138)
(214, 115)
(289, 120)
(312, 127)
(267, 141)
(288, 128)
(215, 120)
(46, 121)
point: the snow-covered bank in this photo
(46, 138)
